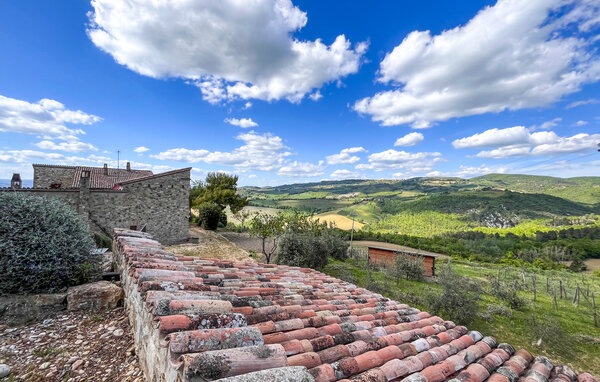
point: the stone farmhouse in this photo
(109, 197)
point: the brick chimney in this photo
(128, 166)
(15, 182)
(105, 169)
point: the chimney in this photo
(105, 169)
(84, 182)
(15, 182)
(128, 166)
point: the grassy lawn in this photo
(570, 336)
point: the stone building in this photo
(108, 197)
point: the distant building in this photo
(108, 197)
(15, 182)
(387, 256)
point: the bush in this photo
(209, 216)
(459, 300)
(44, 245)
(335, 246)
(303, 250)
(102, 241)
(493, 310)
(506, 292)
(577, 265)
(408, 267)
(222, 220)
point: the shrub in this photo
(493, 310)
(44, 245)
(577, 265)
(597, 273)
(506, 292)
(222, 219)
(335, 246)
(408, 267)
(459, 299)
(102, 241)
(208, 216)
(302, 250)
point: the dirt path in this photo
(210, 245)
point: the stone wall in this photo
(160, 203)
(45, 176)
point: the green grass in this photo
(579, 344)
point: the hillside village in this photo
(235, 191)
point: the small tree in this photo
(459, 300)
(577, 265)
(44, 245)
(265, 226)
(241, 216)
(408, 267)
(208, 216)
(218, 190)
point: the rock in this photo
(118, 332)
(4, 370)
(101, 295)
(45, 365)
(76, 364)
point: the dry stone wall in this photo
(158, 203)
(45, 176)
(198, 319)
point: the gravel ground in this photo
(71, 347)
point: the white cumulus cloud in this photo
(230, 49)
(141, 149)
(345, 156)
(345, 174)
(261, 152)
(513, 55)
(518, 141)
(411, 163)
(46, 118)
(301, 169)
(242, 122)
(69, 146)
(410, 139)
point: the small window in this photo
(55, 185)
(133, 227)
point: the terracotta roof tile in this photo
(98, 179)
(247, 322)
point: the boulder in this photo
(100, 295)
(4, 370)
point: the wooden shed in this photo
(381, 255)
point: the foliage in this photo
(302, 250)
(208, 215)
(459, 300)
(44, 245)
(408, 267)
(217, 192)
(265, 226)
(507, 292)
(102, 241)
(242, 216)
(577, 265)
(493, 310)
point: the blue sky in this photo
(280, 92)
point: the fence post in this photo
(555, 303)
(595, 312)
(534, 279)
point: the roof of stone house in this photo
(243, 321)
(115, 176)
(154, 176)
